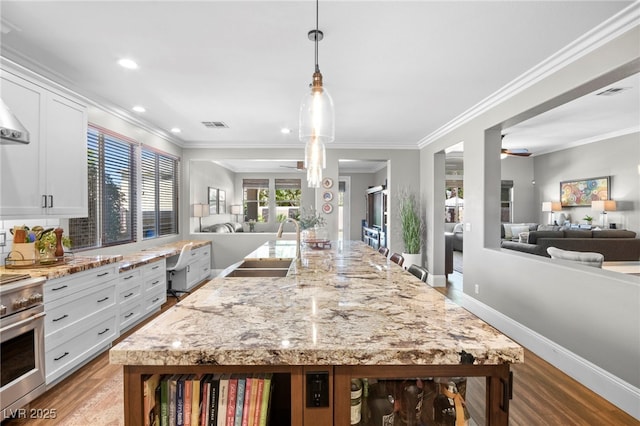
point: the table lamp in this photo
(200, 211)
(551, 207)
(236, 209)
(603, 206)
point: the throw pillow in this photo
(517, 229)
(507, 231)
(458, 229)
(523, 237)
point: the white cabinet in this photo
(198, 269)
(141, 292)
(81, 319)
(47, 177)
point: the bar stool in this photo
(419, 272)
(397, 258)
(384, 251)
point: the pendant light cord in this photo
(316, 37)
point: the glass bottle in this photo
(356, 401)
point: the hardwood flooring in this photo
(542, 394)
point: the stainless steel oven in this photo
(22, 375)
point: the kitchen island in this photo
(345, 311)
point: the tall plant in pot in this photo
(412, 228)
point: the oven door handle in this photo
(23, 322)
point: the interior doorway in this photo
(454, 207)
(344, 208)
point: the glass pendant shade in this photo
(314, 162)
(317, 115)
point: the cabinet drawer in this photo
(158, 267)
(130, 313)
(61, 287)
(130, 292)
(156, 283)
(68, 354)
(78, 306)
(154, 301)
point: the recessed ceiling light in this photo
(138, 108)
(285, 130)
(128, 64)
(175, 130)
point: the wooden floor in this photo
(542, 395)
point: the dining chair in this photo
(384, 251)
(397, 258)
(419, 272)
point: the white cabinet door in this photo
(21, 166)
(66, 136)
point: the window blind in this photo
(159, 197)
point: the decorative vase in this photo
(411, 259)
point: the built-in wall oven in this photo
(22, 375)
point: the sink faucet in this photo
(297, 224)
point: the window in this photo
(255, 197)
(506, 201)
(159, 197)
(111, 183)
(288, 195)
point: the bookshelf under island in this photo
(344, 313)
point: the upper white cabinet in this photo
(47, 177)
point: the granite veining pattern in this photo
(73, 265)
(144, 257)
(344, 306)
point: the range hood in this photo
(11, 129)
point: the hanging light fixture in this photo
(316, 126)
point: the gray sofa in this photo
(228, 227)
(615, 245)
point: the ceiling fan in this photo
(518, 152)
(299, 166)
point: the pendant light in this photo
(316, 126)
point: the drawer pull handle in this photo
(102, 300)
(61, 318)
(103, 274)
(128, 295)
(100, 333)
(155, 300)
(61, 356)
(129, 277)
(129, 315)
(59, 288)
(193, 253)
(155, 282)
(156, 267)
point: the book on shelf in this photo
(151, 382)
(214, 390)
(173, 382)
(231, 400)
(180, 400)
(195, 402)
(257, 402)
(223, 398)
(266, 400)
(242, 381)
(205, 387)
(164, 400)
(188, 395)
(247, 401)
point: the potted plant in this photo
(587, 219)
(412, 228)
(311, 223)
(46, 245)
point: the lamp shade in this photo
(236, 209)
(314, 162)
(551, 206)
(200, 210)
(603, 205)
(317, 115)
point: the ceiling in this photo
(397, 70)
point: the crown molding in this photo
(622, 22)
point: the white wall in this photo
(520, 171)
(590, 317)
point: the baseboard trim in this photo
(617, 391)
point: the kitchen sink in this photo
(259, 272)
(266, 263)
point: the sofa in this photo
(614, 244)
(228, 227)
(508, 231)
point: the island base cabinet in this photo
(290, 403)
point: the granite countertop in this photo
(343, 306)
(79, 263)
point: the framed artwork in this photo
(581, 192)
(222, 202)
(213, 200)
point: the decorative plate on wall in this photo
(327, 208)
(327, 182)
(327, 195)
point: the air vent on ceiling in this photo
(612, 91)
(215, 124)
